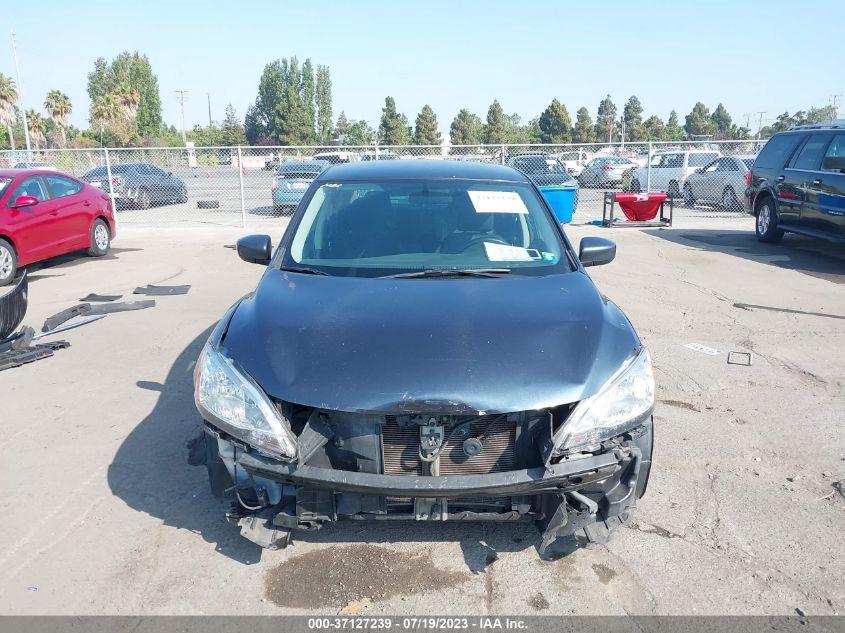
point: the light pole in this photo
(20, 97)
(182, 94)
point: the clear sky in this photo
(752, 55)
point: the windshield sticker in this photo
(549, 257)
(497, 202)
(507, 253)
(551, 162)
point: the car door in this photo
(35, 228)
(73, 210)
(160, 183)
(803, 172)
(786, 182)
(701, 183)
(832, 187)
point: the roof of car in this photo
(11, 172)
(411, 169)
(827, 125)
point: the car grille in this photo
(401, 448)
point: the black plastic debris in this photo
(13, 307)
(208, 204)
(78, 322)
(152, 290)
(17, 357)
(87, 309)
(95, 298)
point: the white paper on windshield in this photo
(508, 253)
(497, 202)
(551, 162)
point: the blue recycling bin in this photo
(561, 199)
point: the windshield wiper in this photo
(304, 270)
(451, 272)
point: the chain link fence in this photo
(239, 186)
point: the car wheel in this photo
(182, 198)
(100, 238)
(8, 263)
(729, 200)
(635, 185)
(143, 201)
(766, 224)
(689, 200)
(673, 191)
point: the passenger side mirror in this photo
(596, 251)
(256, 249)
(834, 163)
(25, 201)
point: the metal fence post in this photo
(648, 170)
(503, 153)
(111, 186)
(241, 177)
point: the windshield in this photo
(374, 229)
(4, 182)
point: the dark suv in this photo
(797, 183)
(139, 185)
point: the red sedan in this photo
(45, 213)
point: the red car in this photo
(45, 213)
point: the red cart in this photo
(639, 208)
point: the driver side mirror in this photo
(25, 201)
(596, 251)
(255, 249)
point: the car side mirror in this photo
(255, 249)
(25, 201)
(834, 163)
(596, 251)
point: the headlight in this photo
(619, 405)
(231, 400)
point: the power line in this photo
(182, 94)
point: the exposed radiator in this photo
(401, 449)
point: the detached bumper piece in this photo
(487, 468)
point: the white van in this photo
(670, 169)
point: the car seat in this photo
(470, 226)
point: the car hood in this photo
(451, 346)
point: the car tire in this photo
(689, 199)
(673, 191)
(182, 198)
(8, 263)
(143, 201)
(100, 238)
(766, 221)
(729, 200)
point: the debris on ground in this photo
(356, 607)
(739, 358)
(17, 357)
(152, 290)
(95, 298)
(84, 320)
(87, 309)
(698, 347)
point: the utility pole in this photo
(20, 96)
(208, 94)
(760, 125)
(747, 116)
(834, 99)
(182, 94)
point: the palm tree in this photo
(128, 99)
(8, 114)
(36, 127)
(104, 110)
(58, 108)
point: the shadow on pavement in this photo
(69, 260)
(817, 258)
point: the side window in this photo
(835, 152)
(727, 164)
(714, 166)
(29, 187)
(697, 159)
(810, 155)
(674, 161)
(776, 151)
(60, 186)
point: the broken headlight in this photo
(621, 403)
(231, 400)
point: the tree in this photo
(654, 129)
(58, 108)
(425, 131)
(583, 132)
(466, 128)
(269, 109)
(633, 113)
(37, 128)
(393, 129)
(698, 122)
(105, 110)
(342, 124)
(555, 124)
(724, 127)
(254, 126)
(294, 122)
(674, 132)
(605, 120)
(307, 93)
(494, 131)
(130, 71)
(8, 111)
(232, 132)
(128, 99)
(324, 105)
(359, 133)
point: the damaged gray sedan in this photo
(425, 344)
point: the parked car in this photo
(670, 170)
(44, 214)
(34, 165)
(139, 185)
(546, 171)
(574, 161)
(722, 182)
(797, 184)
(604, 171)
(425, 344)
(292, 180)
(337, 157)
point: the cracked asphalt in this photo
(744, 512)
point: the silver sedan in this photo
(721, 182)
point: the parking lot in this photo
(743, 514)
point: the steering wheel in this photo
(480, 239)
